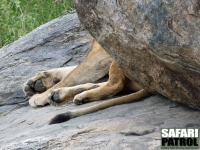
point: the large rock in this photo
(62, 42)
(156, 43)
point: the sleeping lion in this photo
(82, 84)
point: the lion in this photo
(81, 84)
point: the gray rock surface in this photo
(156, 43)
(64, 42)
(132, 126)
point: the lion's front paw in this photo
(38, 100)
(40, 83)
(33, 87)
(77, 101)
(54, 98)
(32, 102)
(60, 95)
(81, 99)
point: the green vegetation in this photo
(18, 17)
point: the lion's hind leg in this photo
(45, 80)
(114, 85)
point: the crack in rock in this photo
(80, 133)
(137, 132)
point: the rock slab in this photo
(156, 43)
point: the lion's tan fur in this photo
(78, 83)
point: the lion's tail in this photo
(108, 103)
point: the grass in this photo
(18, 17)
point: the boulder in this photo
(64, 42)
(156, 43)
